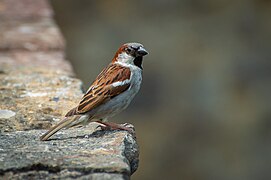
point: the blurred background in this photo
(204, 110)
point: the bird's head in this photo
(130, 54)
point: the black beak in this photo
(141, 52)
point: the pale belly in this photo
(114, 106)
(109, 109)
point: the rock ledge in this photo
(72, 153)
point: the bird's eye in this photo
(129, 50)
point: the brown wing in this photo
(102, 90)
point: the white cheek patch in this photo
(125, 58)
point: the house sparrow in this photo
(111, 92)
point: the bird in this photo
(109, 94)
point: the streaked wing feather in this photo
(102, 90)
(91, 102)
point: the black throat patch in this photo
(138, 61)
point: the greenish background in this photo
(204, 110)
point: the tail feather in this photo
(64, 123)
(72, 112)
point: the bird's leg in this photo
(112, 126)
(102, 125)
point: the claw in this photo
(114, 126)
(103, 127)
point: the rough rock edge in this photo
(56, 170)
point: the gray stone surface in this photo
(30, 35)
(38, 87)
(73, 153)
(24, 9)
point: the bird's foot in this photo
(103, 127)
(114, 126)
